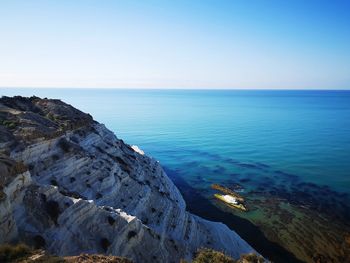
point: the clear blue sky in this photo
(175, 44)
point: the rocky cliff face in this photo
(70, 185)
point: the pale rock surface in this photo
(86, 191)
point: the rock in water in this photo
(70, 185)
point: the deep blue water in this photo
(304, 133)
(288, 150)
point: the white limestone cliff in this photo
(86, 191)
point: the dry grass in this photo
(11, 253)
(206, 255)
(18, 168)
(251, 258)
(85, 258)
(23, 254)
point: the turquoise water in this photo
(305, 133)
(292, 145)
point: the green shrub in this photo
(51, 117)
(10, 253)
(206, 255)
(9, 124)
(12, 125)
(251, 258)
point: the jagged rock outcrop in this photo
(70, 185)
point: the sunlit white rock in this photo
(137, 149)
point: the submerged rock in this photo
(69, 185)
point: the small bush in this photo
(211, 256)
(251, 258)
(51, 116)
(206, 255)
(9, 124)
(10, 253)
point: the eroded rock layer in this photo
(70, 185)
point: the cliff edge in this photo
(69, 185)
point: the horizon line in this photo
(178, 88)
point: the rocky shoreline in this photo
(69, 185)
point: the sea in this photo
(287, 152)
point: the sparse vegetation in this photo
(85, 258)
(22, 253)
(11, 253)
(49, 259)
(52, 117)
(9, 124)
(9, 170)
(251, 258)
(206, 255)
(18, 168)
(212, 256)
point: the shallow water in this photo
(288, 150)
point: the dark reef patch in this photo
(286, 213)
(252, 234)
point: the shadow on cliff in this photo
(200, 206)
